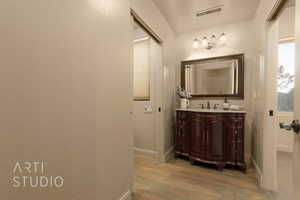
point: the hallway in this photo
(178, 180)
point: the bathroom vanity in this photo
(211, 136)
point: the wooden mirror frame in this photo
(239, 57)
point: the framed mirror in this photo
(214, 77)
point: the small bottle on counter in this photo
(226, 104)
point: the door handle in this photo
(295, 126)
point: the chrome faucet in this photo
(208, 105)
(201, 105)
(216, 106)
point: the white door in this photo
(295, 126)
(270, 116)
(156, 65)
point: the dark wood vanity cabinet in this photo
(196, 135)
(182, 134)
(235, 137)
(216, 138)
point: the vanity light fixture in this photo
(196, 44)
(223, 39)
(209, 43)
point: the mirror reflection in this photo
(217, 78)
(214, 77)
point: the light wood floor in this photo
(285, 175)
(178, 180)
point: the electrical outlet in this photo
(147, 109)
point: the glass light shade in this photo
(196, 44)
(205, 42)
(213, 39)
(223, 38)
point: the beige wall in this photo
(59, 101)
(261, 15)
(148, 11)
(287, 23)
(240, 40)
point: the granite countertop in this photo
(210, 110)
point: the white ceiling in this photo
(181, 14)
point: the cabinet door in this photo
(235, 138)
(216, 140)
(197, 135)
(185, 138)
(178, 137)
(231, 135)
(182, 132)
(240, 151)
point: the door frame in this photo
(270, 129)
(157, 101)
(145, 27)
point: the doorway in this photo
(280, 102)
(285, 100)
(147, 91)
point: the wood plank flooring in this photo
(178, 180)
(285, 175)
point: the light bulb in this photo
(196, 43)
(223, 38)
(205, 42)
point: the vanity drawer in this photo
(237, 120)
(181, 115)
(235, 128)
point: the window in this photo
(285, 76)
(141, 70)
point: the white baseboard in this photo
(168, 155)
(272, 195)
(145, 153)
(258, 172)
(285, 148)
(126, 196)
(248, 159)
(153, 155)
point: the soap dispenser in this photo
(226, 104)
